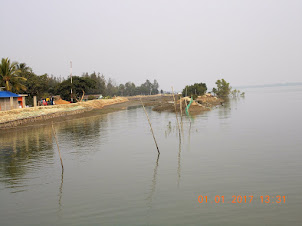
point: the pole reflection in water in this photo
(169, 129)
(153, 185)
(61, 192)
(179, 164)
(189, 137)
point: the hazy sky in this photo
(176, 42)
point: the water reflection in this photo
(169, 129)
(134, 107)
(26, 150)
(111, 187)
(81, 130)
(225, 111)
(81, 134)
(172, 129)
(179, 164)
(61, 192)
(22, 150)
(189, 136)
(153, 184)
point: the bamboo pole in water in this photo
(55, 135)
(180, 106)
(176, 112)
(150, 126)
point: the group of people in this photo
(47, 101)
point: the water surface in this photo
(113, 175)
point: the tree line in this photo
(222, 90)
(20, 78)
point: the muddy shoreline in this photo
(158, 102)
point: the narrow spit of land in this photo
(17, 117)
(28, 116)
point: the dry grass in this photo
(98, 104)
(16, 114)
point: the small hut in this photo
(9, 101)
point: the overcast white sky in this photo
(247, 42)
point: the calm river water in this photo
(113, 176)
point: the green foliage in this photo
(130, 89)
(121, 90)
(112, 89)
(18, 77)
(79, 85)
(155, 87)
(223, 88)
(236, 93)
(195, 90)
(37, 85)
(42, 86)
(147, 88)
(100, 83)
(9, 74)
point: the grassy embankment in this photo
(17, 117)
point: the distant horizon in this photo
(65, 77)
(270, 85)
(176, 42)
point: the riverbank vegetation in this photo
(20, 78)
(198, 89)
(10, 75)
(222, 90)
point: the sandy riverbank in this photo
(26, 116)
(22, 116)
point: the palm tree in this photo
(9, 73)
(24, 69)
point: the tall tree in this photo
(79, 86)
(223, 88)
(9, 73)
(20, 85)
(145, 88)
(195, 90)
(155, 87)
(121, 90)
(112, 89)
(130, 89)
(23, 69)
(37, 85)
(100, 87)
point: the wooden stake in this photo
(180, 106)
(176, 112)
(150, 126)
(55, 135)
